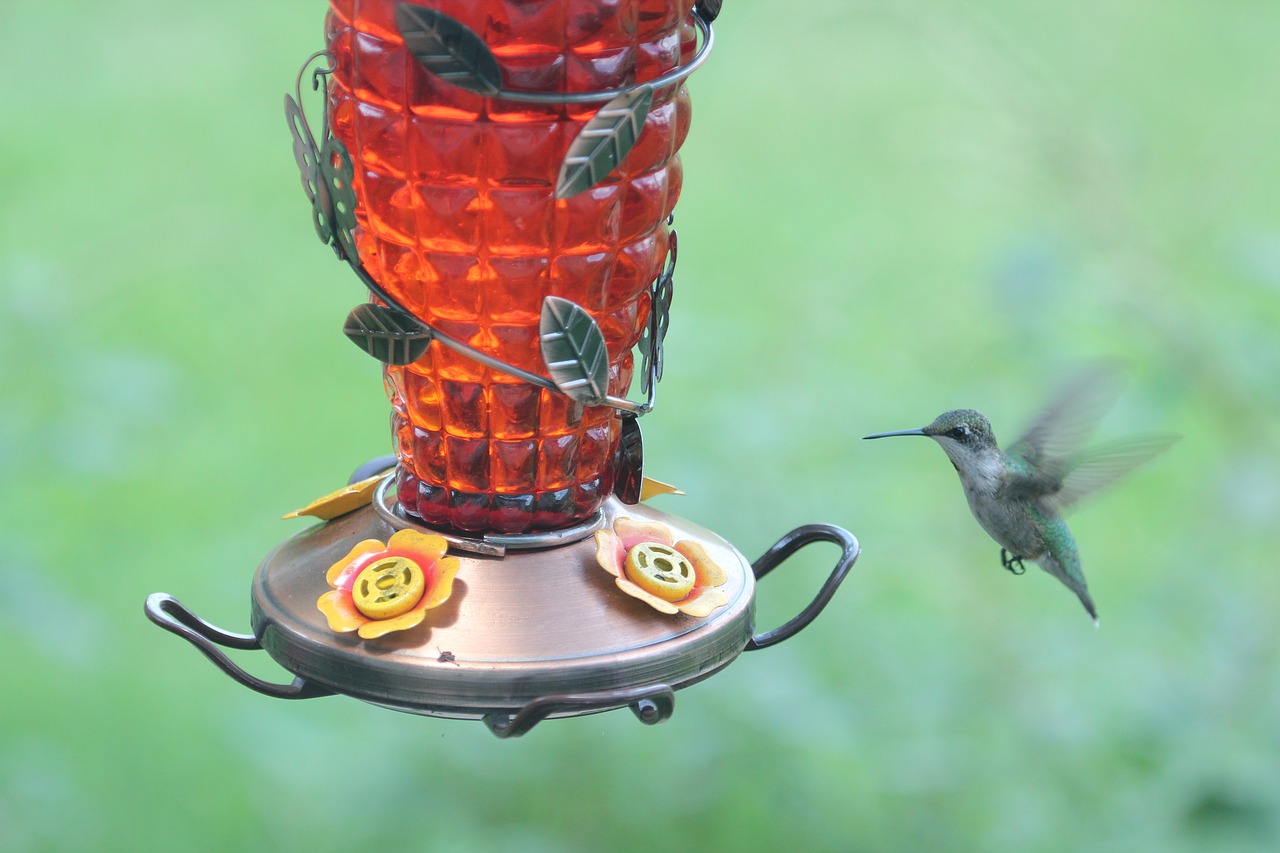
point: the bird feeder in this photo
(501, 178)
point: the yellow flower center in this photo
(388, 588)
(660, 570)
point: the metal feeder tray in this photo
(535, 628)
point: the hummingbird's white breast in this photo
(983, 475)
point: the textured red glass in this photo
(458, 220)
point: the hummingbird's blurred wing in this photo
(1053, 440)
(1102, 465)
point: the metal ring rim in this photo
(493, 544)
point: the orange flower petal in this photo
(648, 598)
(613, 546)
(609, 552)
(632, 533)
(374, 629)
(708, 571)
(360, 549)
(424, 547)
(440, 587)
(341, 611)
(440, 583)
(703, 601)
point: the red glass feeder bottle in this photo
(460, 220)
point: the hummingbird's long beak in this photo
(899, 432)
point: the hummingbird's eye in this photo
(960, 432)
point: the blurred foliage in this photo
(892, 207)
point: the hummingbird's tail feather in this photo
(1072, 580)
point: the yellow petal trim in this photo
(652, 600)
(632, 532)
(364, 546)
(609, 552)
(340, 611)
(372, 630)
(347, 499)
(442, 587)
(702, 602)
(427, 544)
(652, 488)
(709, 572)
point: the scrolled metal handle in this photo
(169, 613)
(784, 548)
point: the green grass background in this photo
(892, 207)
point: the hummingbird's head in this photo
(962, 426)
(964, 434)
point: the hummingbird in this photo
(1018, 494)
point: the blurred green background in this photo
(892, 207)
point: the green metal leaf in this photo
(628, 462)
(337, 173)
(655, 331)
(388, 334)
(574, 351)
(448, 49)
(307, 155)
(604, 141)
(709, 10)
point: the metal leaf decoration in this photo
(448, 49)
(574, 351)
(655, 331)
(629, 463)
(338, 172)
(388, 334)
(307, 155)
(604, 141)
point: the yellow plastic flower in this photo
(669, 576)
(381, 588)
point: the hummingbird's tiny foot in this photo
(1013, 564)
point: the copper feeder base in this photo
(530, 635)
